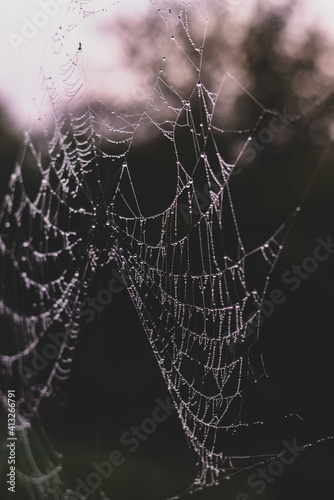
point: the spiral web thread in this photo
(185, 270)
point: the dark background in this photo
(116, 380)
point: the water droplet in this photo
(298, 209)
(199, 84)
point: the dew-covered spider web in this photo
(77, 201)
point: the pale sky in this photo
(21, 56)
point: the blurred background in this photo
(282, 53)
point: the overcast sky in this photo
(21, 56)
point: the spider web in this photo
(75, 204)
